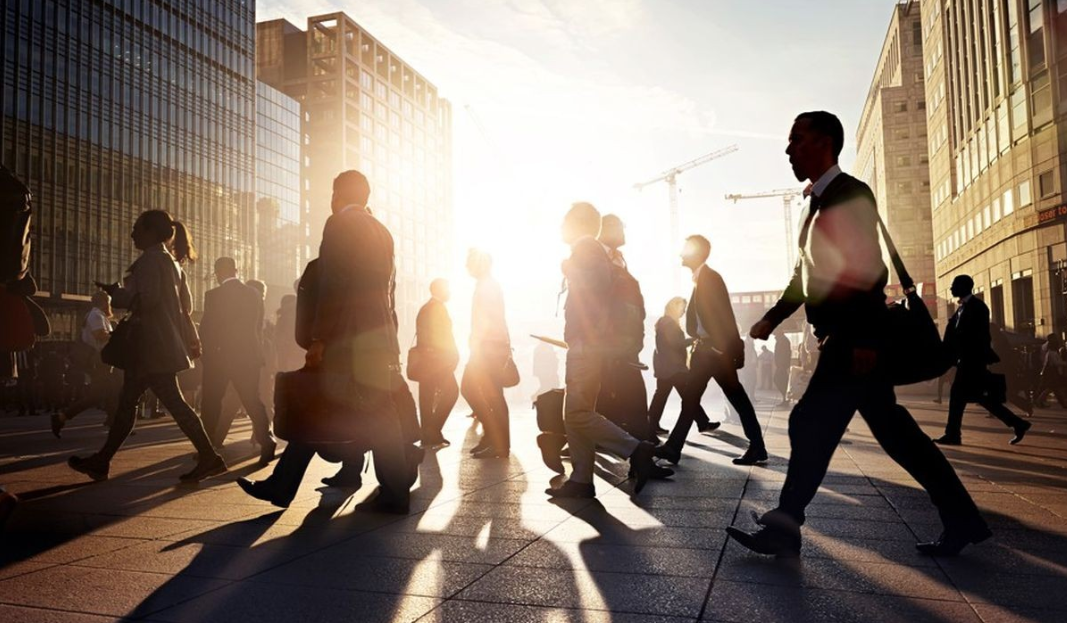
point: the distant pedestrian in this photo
(490, 347)
(439, 356)
(783, 362)
(670, 361)
(103, 390)
(968, 340)
(158, 297)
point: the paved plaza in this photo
(483, 543)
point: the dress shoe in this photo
(778, 536)
(571, 489)
(8, 502)
(59, 420)
(1020, 432)
(492, 453)
(550, 445)
(658, 472)
(642, 463)
(752, 456)
(262, 490)
(480, 446)
(436, 444)
(945, 440)
(206, 467)
(92, 467)
(710, 426)
(268, 450)
(661, 431)
(951, 542)
(668, 454)
(345, 478)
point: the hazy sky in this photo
(580, 99)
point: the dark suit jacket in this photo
(587, 312)
(843, 309)
(433, 331)
(669, 360)
(231, 329)
(711, 304)
(967, 337)
(355, 308)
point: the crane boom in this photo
(788, 195)
(671, 173)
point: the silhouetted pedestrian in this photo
(968, 341)
(840, 280)
(670, 361)
(103, 389)
(783, 362)
(439, 356)
(490, 349)
(157, 295)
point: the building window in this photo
(987, 217)
(904, 187)
(900, 134)
(900, 107)
(1036, 39)
(920, 105)
(1041, 99)
(1022, 299)
(903, 161)
(1046, 184)
(1009, 202)
(996, 302)
(1024, 194)
(1020, 121)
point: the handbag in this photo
(913, 350)
(315, 406)
(508, 374)
(121, 350)
(417, 364)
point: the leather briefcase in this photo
(549, 406)
(313, 406)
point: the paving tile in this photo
(1011, 590)
(740, 602)
(618, 558)
(252, 602)
(457, 611)
(195, 559)
(334, 568)
(21, 614)
(448, 547)
(616, 592)
(61, 550)
(10, 570)
(111, 592)
(465, 525)
(999, 614)
(615, 532)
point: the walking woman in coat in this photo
(157, 295)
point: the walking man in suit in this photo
(438, 390)
(840, 280)
(231, 331)
(968, 340)
(718, 353)
(586, 314)
(352, 334)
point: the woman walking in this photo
(157, 295)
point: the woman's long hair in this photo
(171, 231)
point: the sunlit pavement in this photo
(484, 544)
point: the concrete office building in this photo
(996, 97)
(891, 147)
(369, 110)
(113, 108)
(281, 248)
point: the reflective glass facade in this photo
(281, 228)
(111, 108)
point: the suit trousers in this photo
(245, 379)
(663, 392)
(963, 392)
(623, 398)
(486, 398)
(437, 397)
(165, 387)
(383, 437)
(587, 429)
(705, 366)
(819, 419)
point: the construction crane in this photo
(788, 195)
(671, 177)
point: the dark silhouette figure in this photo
(1011, 365)
(718, 354)
(840, 280)
(623, 396)
(783, 361)
(438, 390)
(969, 343)
(587, 313)
(1053, 377)
(157, 294)
(352, 334)
(490, 348)
(670, 361)
(102, 387)
(231, 331)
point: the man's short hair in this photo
(352, 186)
(480, 261)
(437, 284)
(963, 281)
(258, 286)
(700, 243)
(226, 264)
(584, 217)
(828, 125)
